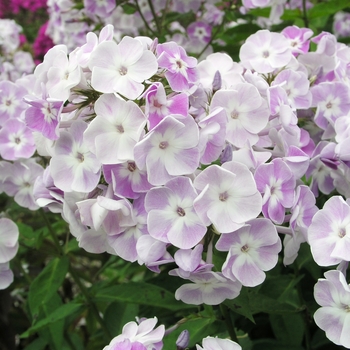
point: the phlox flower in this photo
(265, 51)
(11, 100)
(228, 197)
(16, 140)
(333, 295)
(169, 150)
(8, 240)
(101, 8)
(6, 275)
(332, 100)
(20, 181)
(209, 288)
(44, 115)
(298, 39)
(200, 31)
(211, 343)
(247, 113)
(121, 67)
(276, 182)
(127, 179)
(144, 335)
(329, 233)
(115, 130)
(180, 68)
(171, 216)
(73, 166)
(158, 105)
(252, 249)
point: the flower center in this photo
(123, 70)
(8, 103)
(120, 129)
(163, 145)
(234, 115)
(180, 211)
(223, 196)
(342, 232)
(17, 140)
(329, 105)
(131, 166)
(266, 54)
(80, 157)
(179, 63)
(245, 248)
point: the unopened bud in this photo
(183, 340)
(217, 81)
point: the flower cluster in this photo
(159, 159)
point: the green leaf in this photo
(47, 283)
(241, 304)
(260, 12)
(327, 8)
(59, 314)
(291, 15)
(118, 314)
(38, 344)
(271, 344)
(141, 293)
(288, 328)
(28, 237)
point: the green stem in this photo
(225, 311)
(306, 20)
(52, 232)
(88, 298)
(305, 314)
(144, 19)
(155, 17)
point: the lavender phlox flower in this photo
(169, 150)
(8, 240)
(247, 113)
(11, 101)
(208, 287)
(180, 68)
(298, 39)
(276, 182)
(333, 295)
(183, 340)
(63, 74)
(332, 100)
(101, 8)
(230, 72)
(265, 51)
(16, 140)
(46, 194)
(23, 62)
(143, 333)
(341, 24)
(211, 343)
(92, 41)
(302, 212)
(127, 179)
(20, 181)
(9, 37)
(6, 275)
(158, 105)
(200, 31)
(212, 135)
(152, 253)
(122, 67)
(228, 197)
(171, 216)
(212, 14)
(73, 166)
(189, 261)
(44, 115)
(329, 232)
(252, 250)
(124, 243)
(118, 126)
(342, 128)
(319, 168)
(296, 85)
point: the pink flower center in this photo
(329, 105)
(179, 64)
(17, 140)
(342, 232)
(163, 145)
(266, 54)
(234, 114)
(120, 129)
(80, 157)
